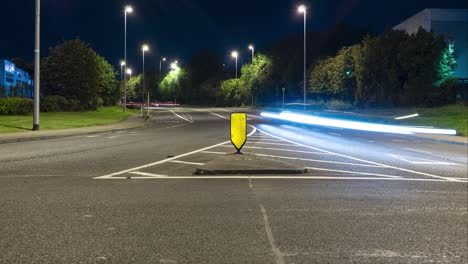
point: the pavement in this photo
(133, 196)
(130, 123)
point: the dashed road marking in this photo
(214, 152)
(148, 174)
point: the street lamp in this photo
(144, 49)
(174, 66)
(160, 64)
(235, 55)
(129, 72)
(122, 64)
(303, 9)
(128, 9)
(252, 48)
(37, 67)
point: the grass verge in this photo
(60, 120)
(450, 117)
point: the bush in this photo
(15, 106)
(55, 103)
(339, 105)
(74, 105)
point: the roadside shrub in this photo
(448, 91)
(339, 105)
(55, 103)
(15, 106)
(317, 104)
(74, 105)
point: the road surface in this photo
(131, 196)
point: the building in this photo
(450, 23)
(14, 81)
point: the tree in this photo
(257, 77)
(108, 86)
(134, 88)
(74, 71)
(171, 86)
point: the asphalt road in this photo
(131, 197)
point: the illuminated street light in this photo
(160, 64)
(174, 65)
(129, 72)
(303, 9)
(128, 9)
(122, 64)
(235, 55)
(252, 48)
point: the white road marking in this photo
(255, 116)
(218, 115)
(370, 141)
(263, 140)
(246, 177)
(112, 137)
(286, 150)
(181, 117)
(399, 140)
(335, 134)
(417, 150)
(214, 152)
(148, 174)
(109, 176)
(362, 160)
(93, 136)
(420, 161)
(320, 161)
(279, 259)
(355, 172)
(272, 143)
(187, 162)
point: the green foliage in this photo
(257, 77)
(339, 105)
(15, 106)
(134, 88)
(108, 86)
(171, 85)
(230, 94)
(55, 103)
(394, 69)
(447, 65)
(73, 70)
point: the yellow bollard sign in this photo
(238, 130)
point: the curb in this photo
(27, 139)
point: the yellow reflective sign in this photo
(238, 130)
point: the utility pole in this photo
(37, 67)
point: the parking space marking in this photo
(420, 161)
(285, 150)
(187, 162)
(366, 161)
(319, 161)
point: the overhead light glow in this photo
(355, 125)
(145, 48)
(129, 9)
(234, 54)
(129, 71)
(301, 9)
(122, 63)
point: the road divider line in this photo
(187, 162)
(362, 160)
(108, 176)
(218, 115)
(319, 161)
(417, 150)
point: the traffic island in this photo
(247, 164)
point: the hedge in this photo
(15, 106)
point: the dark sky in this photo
(178, 28)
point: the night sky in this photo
(179, 28)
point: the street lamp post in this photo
(144, 49)
(122, 64)
(128, 10)
(160, 64)
(252, 48)
(284, 89)
(303, 9)
(235, 55)
(129, 72)
(37, 66)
